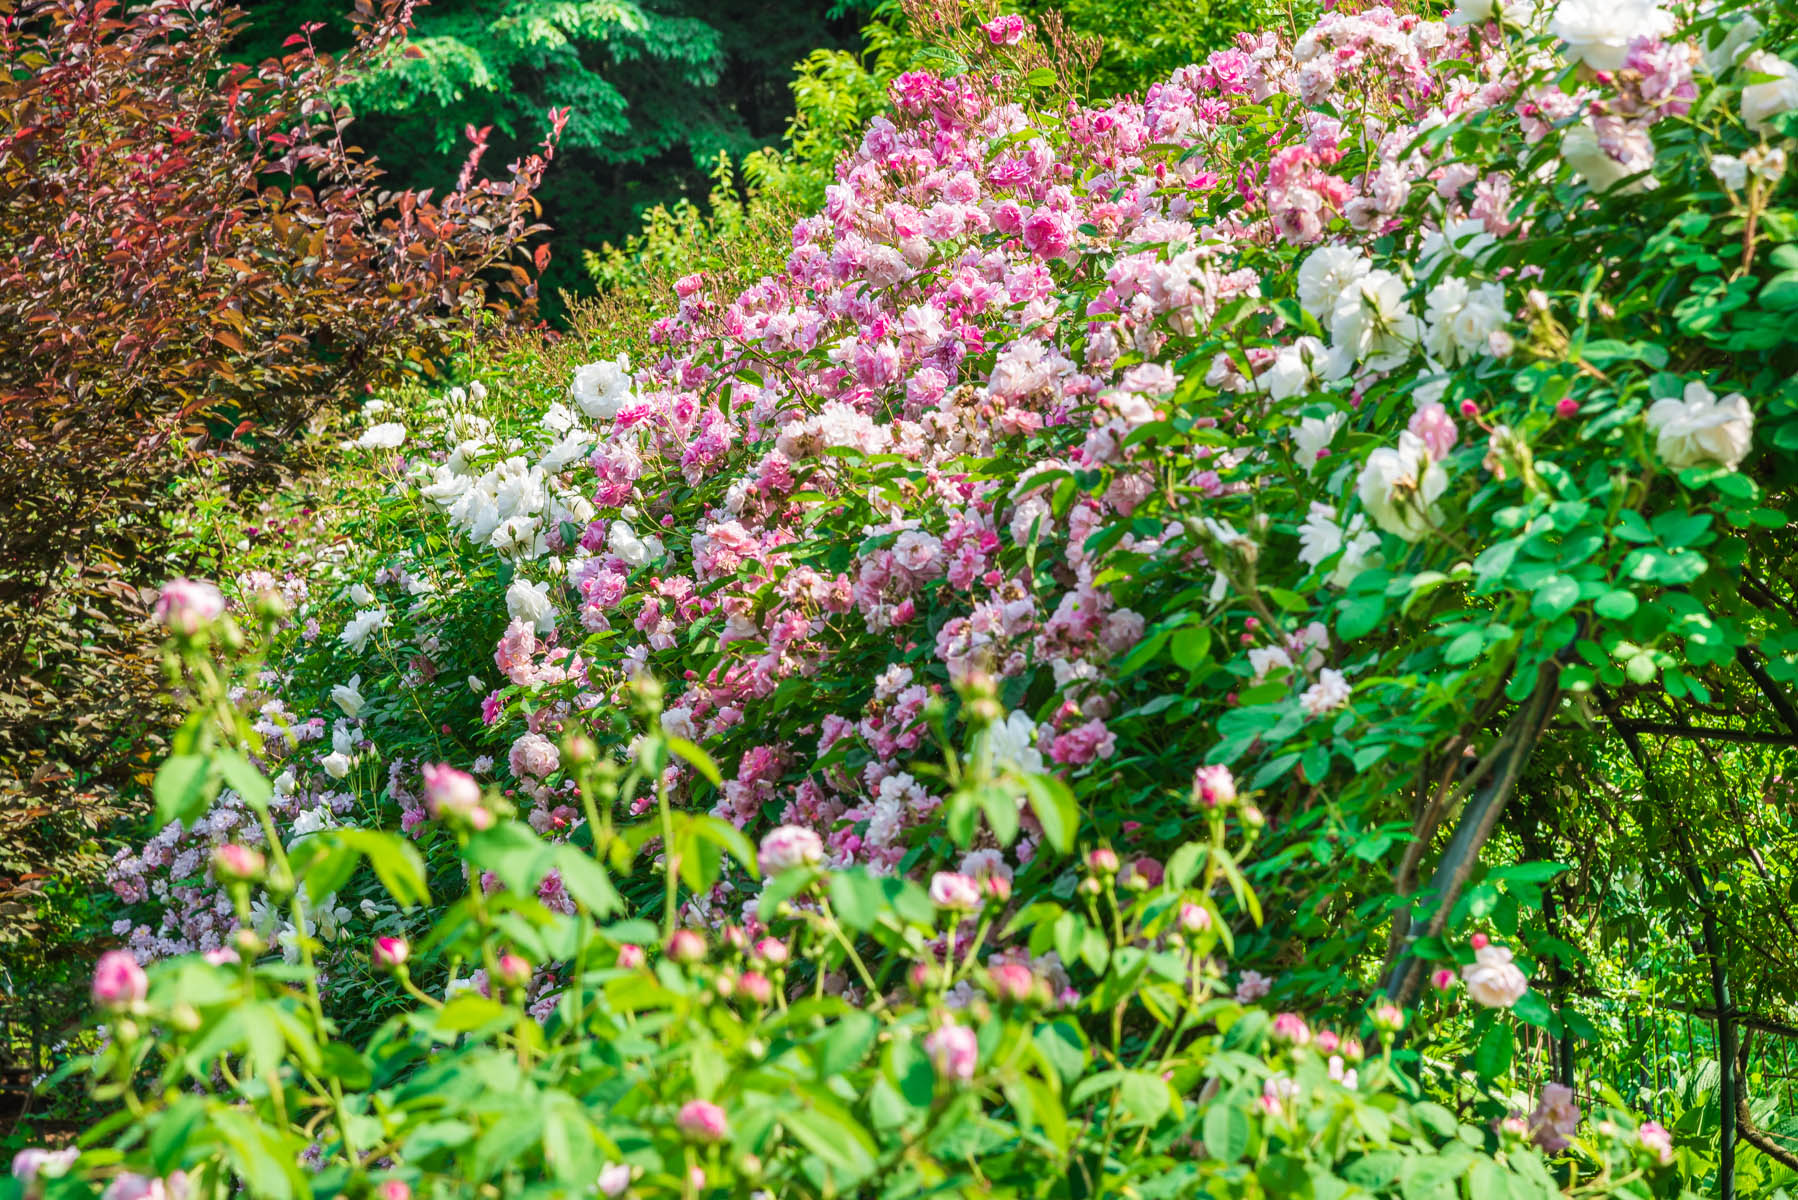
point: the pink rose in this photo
(703, 1121)
(1215, 786)
(956, 892)
(186, 606)
(954, 1051)
(453, 795)
(119, 983)
(788, 847)
(1005, 30)
(390, 952)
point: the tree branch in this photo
(1704, 733)
(1477, 822)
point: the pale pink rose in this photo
(1493, 979)
(952, 891)
(788, 847)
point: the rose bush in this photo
(1334, 450)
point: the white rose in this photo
(1581, 151)
(349, 696)
(1399, 488)
(529, 601)
(1730, 171)
(1325, 274)
(602, 389)
(1373, 323)
(1493, 979)
(1720, 57)
(336, 764)
(362, 625)
(1598, 32)
(1699, 428)
(1763, 102)
(623, 541)
(1313, 436)
(385, 436)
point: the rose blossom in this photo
(703, 1121)
(187, 606)
(955, 892)
(788, 847)
(954, 1050)
(1493, 979)
(1699, 428)
(119, 983)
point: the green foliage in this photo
(656, 93)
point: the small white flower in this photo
(362, 625)
(602, 389)
(360, 596)
(1330, 692)
(1463, 320)
(1699, 428)
(1320, 537)
(1373, 322)
(336, 764)
(1731, 171)
(623, 541)
(1492, 979)
(1769, 163)
(1013, 744)
(1326, 274)
(349, 696)
(1314, 435)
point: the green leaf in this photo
(1055, 808)
(246, 779)
(1227, 1130)
(587, 881)
(396, 863)
(702, 762)
(1554, 596)
(1146, 1095)
(1492, 1058)
(1359, 617)
(184, 787)
(1616, 605)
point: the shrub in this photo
(1359, 447)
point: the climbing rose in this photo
(1399, 488)
(1007, 30)
(1215, 786)
(1762, 103)
(1252, 986)
(390, 952)
(1493, 979)
(450, 793)
(1657, 1141)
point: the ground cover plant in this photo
(1232, 641)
